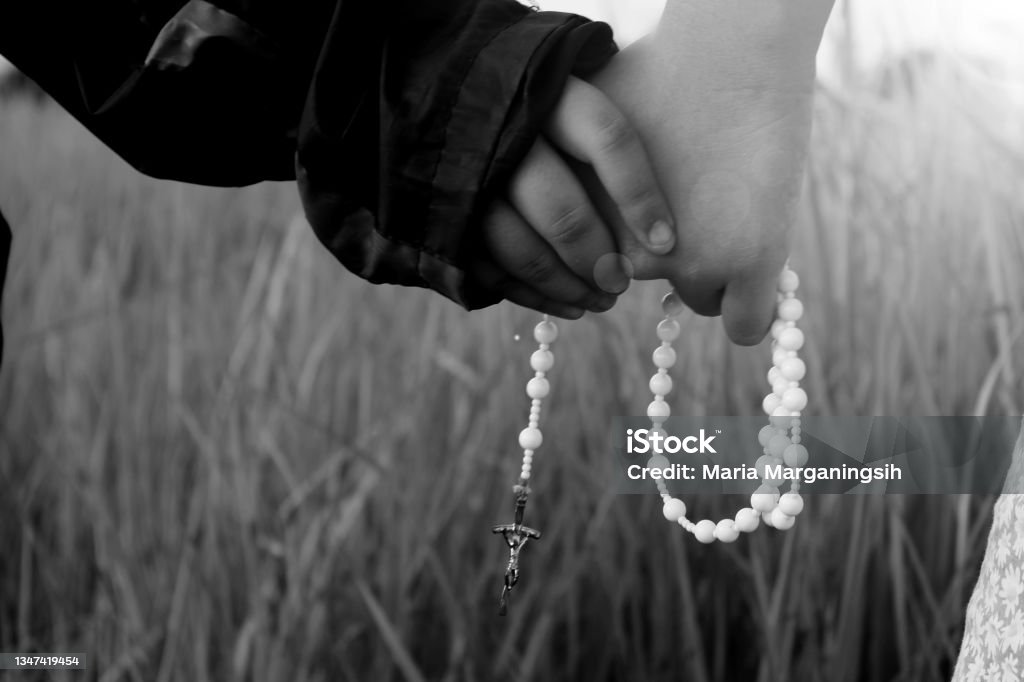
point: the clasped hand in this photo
(681, 160)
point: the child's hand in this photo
(722, 96)
(549, 248)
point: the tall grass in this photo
(224, 458)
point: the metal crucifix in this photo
(516, 535)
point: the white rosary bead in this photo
(538, 388)
(765, 498)
(762, 462)
(792, 369)
(664, 357)
(747, 520)
(789, 281)
(530, 438)
(791, 339)
(794, 399)
(658, 462)
(545, 332)
(795, 455)
(726, 531)
(771, 403)
(791, 310)
(791, 504)
(781, 520)
(672, 305)
(661, 384)
(658, 410)
(777, 445)
(542, 360)
(668, 330)
(674, 509)
(705, 531)
(765, 435)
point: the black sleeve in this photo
(204, 92)
(399, 118)
(395, 172)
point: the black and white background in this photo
(224, 458)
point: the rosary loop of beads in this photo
(780, 438)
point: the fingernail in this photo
(613, 273)
(661, 234)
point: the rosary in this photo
(780, 438)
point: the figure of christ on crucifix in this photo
(516, 536)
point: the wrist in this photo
(756, 39)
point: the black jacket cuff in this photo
(441, 132)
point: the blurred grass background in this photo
(224, 458)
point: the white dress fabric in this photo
(993, 645)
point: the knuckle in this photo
(614, 133)
(641, 195)
(537, 267)
(572, 225)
